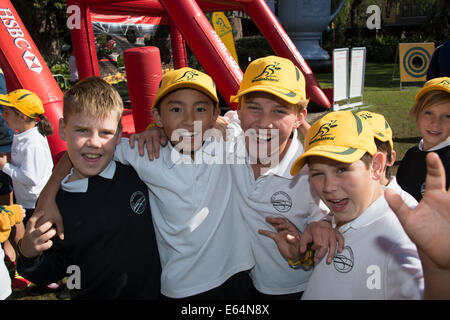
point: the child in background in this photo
(109, 230)
(378, 261)
(431, 114)
(9, 217)
(31, 161)
(382, 133)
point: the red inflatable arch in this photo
(188, 23)
(24, 67)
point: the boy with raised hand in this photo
(378, 261)
(382, 133)
(109, 237)
(202, 240)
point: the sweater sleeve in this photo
(50, 266)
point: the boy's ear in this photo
(62, 129)
(378, 163)
(157, 117)
(301, 116)
(393, 158)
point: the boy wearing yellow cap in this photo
(261, 145)
(272, 106)
(382, 133)
(202, 240)
(431, 113)
(378, 261)
(31, 161)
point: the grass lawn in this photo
(383, 95)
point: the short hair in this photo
(92, 96)
(428, 100)
(300, 106)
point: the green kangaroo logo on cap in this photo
(323, 132)
(188, 75)
(268, 72)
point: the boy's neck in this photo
(259, 169)
(26, 126)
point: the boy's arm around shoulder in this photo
(46, 202)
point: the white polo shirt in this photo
(379, 261)
(202, 239)
(275, 194)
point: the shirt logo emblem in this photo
(138, 202)
(343, 262)
(281, 201)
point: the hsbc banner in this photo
(22, 56)
(24, 67)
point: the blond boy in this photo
(109, 246)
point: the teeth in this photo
(92, 156)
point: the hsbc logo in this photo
(13, 28)
(32, 62)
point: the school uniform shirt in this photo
(378, 261)
(5, 280)
(406, 197)
(278, 194)
(412, 171)
(109, 249)
(30, 167)
(201, 236)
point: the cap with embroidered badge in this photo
(186, 78)
(442, 84)
(275, 75)
(381, 128)
(25, 101)
(341, 135)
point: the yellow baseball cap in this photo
(25, 101)
(341, 136)
(186, 78)
(381, 128)
(275, 75)
(442, 83)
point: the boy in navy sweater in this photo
(109, 249)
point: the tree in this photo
(45, 20)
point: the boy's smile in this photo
(347, 189)
(90, 143)
(268, 124)
(185, 115)
(434, 125)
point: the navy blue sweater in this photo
(109, 235)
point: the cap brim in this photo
(5, 101)
(338, 153)
(430, 88)
(184, 85)
(286, 95)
